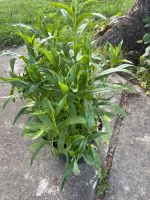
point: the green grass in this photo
(26, 11)
(17, 11)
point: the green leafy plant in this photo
(143, 71)
(115, 54)
(112, 56)
(103, 184)
(60, 82)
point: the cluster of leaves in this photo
(103, 184)
(112, 55)
(144, 70)
(60, 80)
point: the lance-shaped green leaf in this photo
(112, 106)
(8, 99)
(68, 172)
(61, 140)
(64, 88)
(76, 169)
(105, 137)
(146, 38)
(120, 68)
(83, 4)
(23, 26)
(12, 64)
(84, 16)
(61, 104)
(35, 148)
(89, 114)
(106, 123)
(40, 132)
(91, 157)
(72, 121)
(48, 54)
(93, 136)
(21, 112)
(62, 6)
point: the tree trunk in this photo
(130, 28)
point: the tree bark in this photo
(130, 28)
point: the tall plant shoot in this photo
(60, 82)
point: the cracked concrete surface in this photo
(129, 175)
(130, 172)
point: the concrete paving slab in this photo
(130, 172)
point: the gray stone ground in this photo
(130, 172)
(129, 176)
